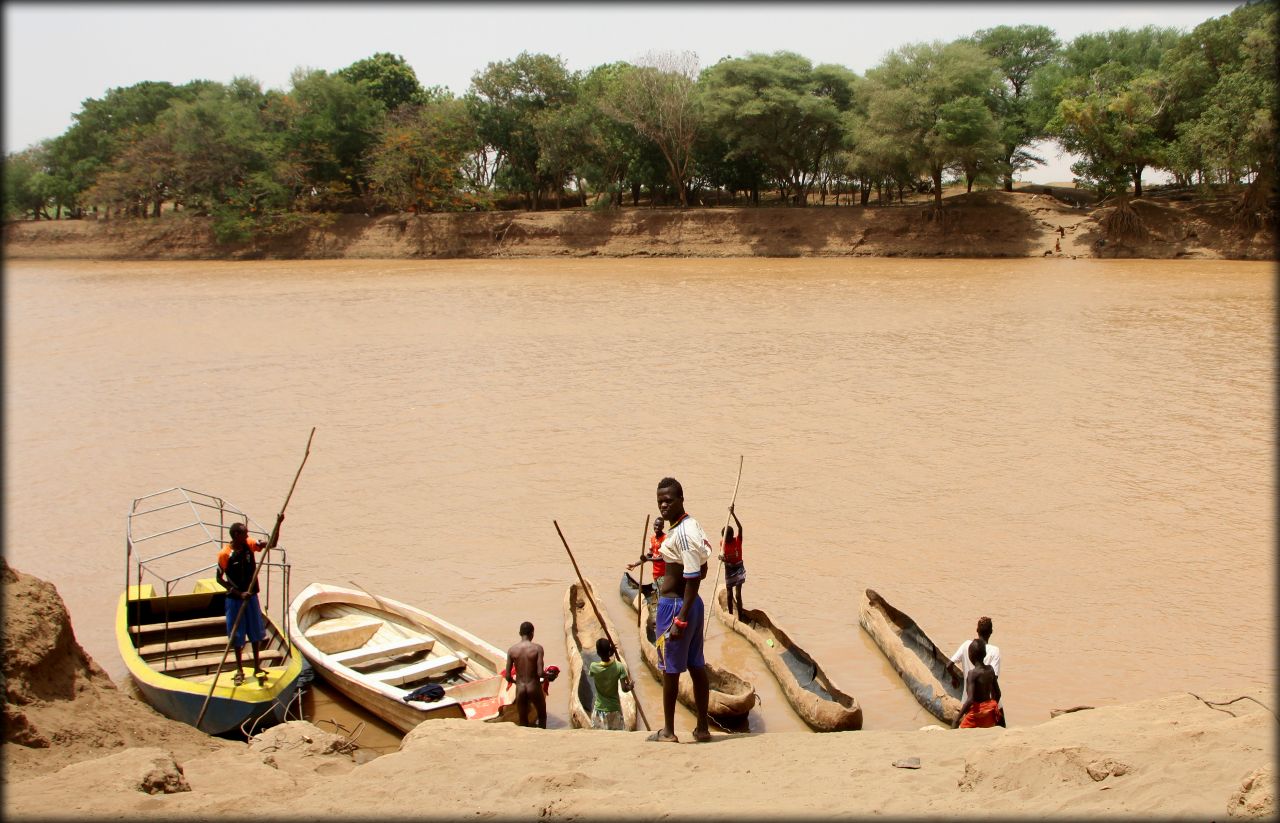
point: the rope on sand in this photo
(1215, 706)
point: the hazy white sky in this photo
(56, 55)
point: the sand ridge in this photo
(86, 749)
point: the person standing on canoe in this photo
(655, 554)
(608, 674)
(735, 571)
(235, 573)
(525, 670)
(992, 657)
(981, 706)
(686, 550)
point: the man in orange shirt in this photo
(236, 566)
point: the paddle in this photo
(271, 544)
(643, 539)
(592, 600)
(714, 585)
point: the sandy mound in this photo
(60, 706)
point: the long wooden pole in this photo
(706, 622)
(643, 540)
(271, 543)
(591, 598)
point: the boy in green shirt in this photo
(608, 673)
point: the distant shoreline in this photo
(1029, 223)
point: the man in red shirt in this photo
(735, 572)
(236, 574)
(654, 556)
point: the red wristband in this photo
(684, 624)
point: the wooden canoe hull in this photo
(581, 630)
(932, 678)
(473, 692)
(819, 702)
(731, 696)
(231, 708)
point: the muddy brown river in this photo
(1082, 450)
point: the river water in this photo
(1082, 450)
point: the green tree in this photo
(417, 162)
(1020, 52)
(932, 99)
(386, 78)
(26, 183)
(1220, 81)
(105, 127)
(1109, 105)
(659, 99)
(781, 111)
(505, 100)
(328, 125)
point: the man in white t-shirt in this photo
(992, 658)
(678, 627)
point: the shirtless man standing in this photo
(981, 707)
(525, 660)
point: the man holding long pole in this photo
(236, 574)
(686, 550)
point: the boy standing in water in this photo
(608, 674)
(735, 571)
(524, 661)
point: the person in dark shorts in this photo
(735, 571)
(235, 573)
(678, 626)
(524, 668)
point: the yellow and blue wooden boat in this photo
(171, 623)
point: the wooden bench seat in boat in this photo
(218, 621)
(214, 643)
(406, 674)
(177, 667)
(340, 634)
(366, 654)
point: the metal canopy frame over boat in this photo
(202, 535)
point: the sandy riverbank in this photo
(986, 224)
(78, 747)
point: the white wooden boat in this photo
(378, 651)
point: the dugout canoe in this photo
(378, 651)
(819, 701)
(932, 678)
(172, 633)
(581, 630)
(732, 696)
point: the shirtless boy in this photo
(981, 708)
(525, 659)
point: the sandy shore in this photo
(78, 747)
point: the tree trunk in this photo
(635, 194)
(1008, 175)
(968, 183)
(1137, 182)
(155, 207)
(937, 188)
